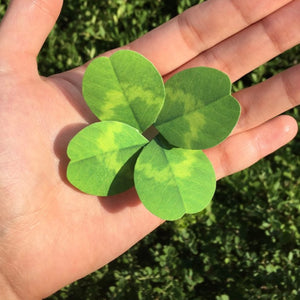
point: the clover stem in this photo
(150, 133)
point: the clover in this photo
(192, 111)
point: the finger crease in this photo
(244, 115)
(191, 35)
(243, 15)
(217, 61)
(274, 41)
(257, 146)
(224, 161)
(287, 86)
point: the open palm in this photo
(50, 233)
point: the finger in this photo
(268, 99)
(255, 45)
(244, 149)
(26, 25)
(200, 28)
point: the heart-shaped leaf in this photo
(199, 111)
(172, 182)
(124, 87)
(103, 156)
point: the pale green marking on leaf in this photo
(113, 108)
(192, 137)
(138, 96)
(199, 111)
(185, 103)
(182, 162)
(156, 172)
(125, 87)
(103, 154)
(102, 136)
(172, 182)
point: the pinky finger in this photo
(242, 150)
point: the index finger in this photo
(200, 28)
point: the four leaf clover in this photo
(193, 110)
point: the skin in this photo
(50, 233)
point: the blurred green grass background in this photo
(246, 244)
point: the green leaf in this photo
(172, 182)
(103, 156)
(125, 87)
(199, 111)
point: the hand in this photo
(50, 233)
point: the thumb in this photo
(25, 27)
